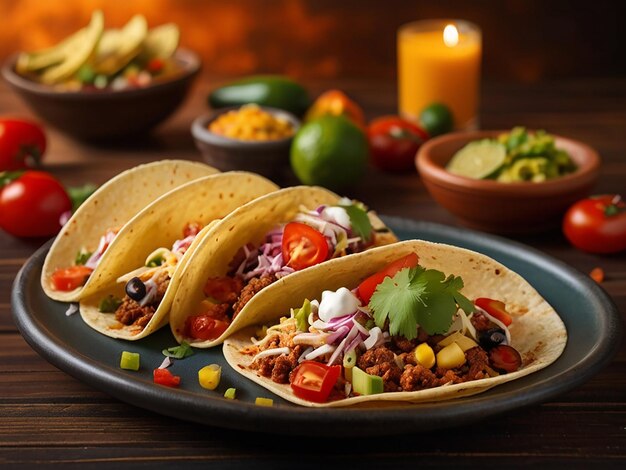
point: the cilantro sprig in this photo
(360, 221)
(418, 296)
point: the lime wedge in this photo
(479, 160)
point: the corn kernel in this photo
(425, 355)
(260, 401)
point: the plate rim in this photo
(236, 414)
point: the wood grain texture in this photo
(48, 417)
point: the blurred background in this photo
(523, 41)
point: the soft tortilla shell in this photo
(113, 205)
(249, 224)
(160, 224)
(537, 331)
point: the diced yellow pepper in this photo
(264, 401)
(209, 376)
(425, 356)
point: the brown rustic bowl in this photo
(106, 114)
(506, 208)
(263, 157)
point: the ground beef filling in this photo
(233, 293)
(131, 313)
(394, 362)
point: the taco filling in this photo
(75, 276)
(146, 286)
(312, 237)
(403, 329)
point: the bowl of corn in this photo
(251, 137)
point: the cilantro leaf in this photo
(418, 296)
(360, 221)
(395, 298)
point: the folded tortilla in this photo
(160, 224)
(537, 331)
(249, 224)
(112, 206)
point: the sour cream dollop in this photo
(337, 304)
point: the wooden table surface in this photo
(46, 416)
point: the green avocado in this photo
(265, 90)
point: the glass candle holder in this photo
(439, 62)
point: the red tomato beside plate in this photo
(597, 224)
(394, 142)
(31, 205)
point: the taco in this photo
(136, 281)
(83, 240)
(409, 322)
(241, 264)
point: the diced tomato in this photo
(192, 228)
(303, 246)
(505, 358)
(165, 377)
(205, 327)
(314, 381)
(68, 279)
(495, 308)
(367, 288)
(223, 289)
(155, 65)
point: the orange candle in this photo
(439, 61)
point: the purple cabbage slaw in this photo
(268, 257)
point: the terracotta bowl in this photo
(264, 157)
(106, 114)
(506, 208)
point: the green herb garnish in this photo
(79, 194)
(418, 296)
(360, 221)
(181, 351)
(81, 257)
(109, 304)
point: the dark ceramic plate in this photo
(592, 322)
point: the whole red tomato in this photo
(597, 224)
(22, 144)
(394, 142)
(31, 205)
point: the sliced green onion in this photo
(181, 351)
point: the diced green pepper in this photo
(366, 384)
(129, 360)
(109, 304)
(230, 393)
